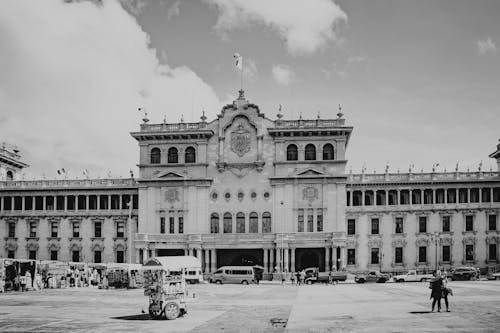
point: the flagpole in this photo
(241, 85)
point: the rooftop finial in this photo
(145, 119)
(241, 93)
(203, 117)
(165, 119)
(280, 110)
(182, 118)
(387, 168)
(456, 167)
(480, 166)
(300, 116)
(340, 114)
(319, 115)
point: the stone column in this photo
(481, 197)
(271, 260)
(363, 193)
(199, 254)
(286, 262)
(144, 254)
(327, 258)
(278, 258)
(87, 201)
(433, 196)
(342, 257)
(386, 197)
(109, 202)
(207, 261)
(292, 260)
(23, 203)
(65, 203)
(491, 194)
(265, 261)
(446, 196)
(137, 255)
(213, 260)
(468, 196)
(187, 252)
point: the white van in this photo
(193, 275)
(233, 274)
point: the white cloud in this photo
(73, 76)
(283, 74)
(250, 70)
(305, 26)
(486, 46)
(173, 10)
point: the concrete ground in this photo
(346, 307)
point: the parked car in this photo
(412, 276)
(233, 274)
(464, 273)
(372, 276)
(313, 275)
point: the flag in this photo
(280, 108)
(58, 172)
(63, 171)
(238, 61)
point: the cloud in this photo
(305, 26)
(250, 70)
(283, 74)
(173, 10)
(73, 76)
(486, 46)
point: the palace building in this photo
(247, 190)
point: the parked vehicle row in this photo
(372, 276)
(412, 276)
(313, 275)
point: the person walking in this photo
(297, 275)
(446, 291)
(436, 286)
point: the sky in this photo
(418, 80)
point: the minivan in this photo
(233, 274)
(193, 275)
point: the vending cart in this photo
(166, 289)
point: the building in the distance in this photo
(244, 189)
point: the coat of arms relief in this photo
(240, 140)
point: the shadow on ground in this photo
(135, 317)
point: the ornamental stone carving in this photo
(399, 243)
(351, 243)
(375, 243)
(491, 240)
(310, 193)
(32, 246)
(172, 195)
(470, 240)
(446, 241)
(240, 140)
(422, 242)
(75, 246)
(53, 246)
(10, 245)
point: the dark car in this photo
(464, 273)
(373, 276)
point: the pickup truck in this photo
(412, 276)
(313, 275)
(372, 276)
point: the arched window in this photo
(240, 223)
(214, 223)
(254, 222)
(310, 152)
(190, 155)
(228, 223)
(266, 222)
(173, 156)
(292, 153)
(328, 152)
(155, 156)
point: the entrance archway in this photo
(310, 257)
(239, 257)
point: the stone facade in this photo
(244, 190)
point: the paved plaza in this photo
(347, 307)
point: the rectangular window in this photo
(162, 225)
(351, 256)
(492, 222)
(120, 229)
(319, 220)
(75, 256)
(76, 229)
(469, 223)
(493, 252)
(422, 254)
(97, 257)
(11, 254)
(171, 225)
(469, 252)
(300, 219)
(12, 229)
(446, 253)
(181, 224)
(53, 255)
(53, 230)
(375, 225)
(374, 255)
(32, 255)
(98, 229)
(422, 224)
(32, 229)
(446, 223)
(7, 203)
(120, 256)
(398, 255)
(310, 220)
(399, 225)
(351, 226)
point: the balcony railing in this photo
(324, 123)
(418, 177)
(69, 183)
(173, 127)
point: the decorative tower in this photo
(496, 155)
(10, 162)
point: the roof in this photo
(172, 262)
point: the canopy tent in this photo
(172, 263)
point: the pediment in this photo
(171, 175)
(310, 172)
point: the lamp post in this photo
(435, 237)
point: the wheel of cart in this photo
(171, 310)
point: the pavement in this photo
(269, 307)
